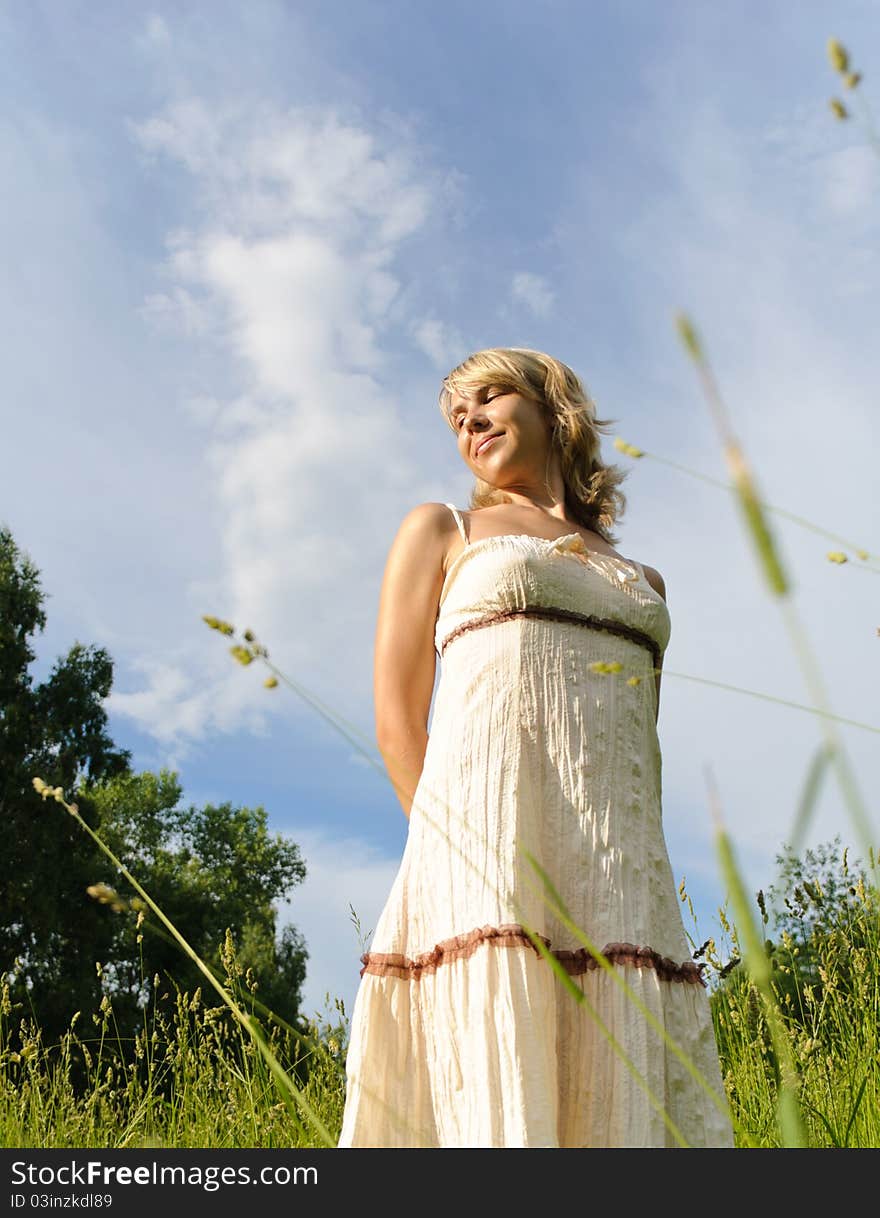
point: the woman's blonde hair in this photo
(592, 496)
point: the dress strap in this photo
(459, 521)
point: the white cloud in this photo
(766, 290)
(852, 178)
(155, 33)
(441, 342)
(176, 312)
(186, 701)
(288, 265)
(534, 292)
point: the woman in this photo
(543, 762)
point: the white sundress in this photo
(462, 1035)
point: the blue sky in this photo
(243, 244)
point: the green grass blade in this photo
(556, 906)
(808, 801)
(853, 1114)
(580, 997)
(758, 966)
(289, 1092)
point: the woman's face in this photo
(517, 453)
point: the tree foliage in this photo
(822, 907)
(819, 915)
(208, 868)
(56, 729)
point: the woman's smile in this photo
(482, 447)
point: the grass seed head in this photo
(838, 55)
(688, 335)
(217, 623)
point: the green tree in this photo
(208, 869)
(56, 729)
(821, 908)
(819, 913)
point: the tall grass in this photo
(193, 1078)
(796, 1023)
(826, 988)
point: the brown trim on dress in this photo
(559, 615)
(512, 934)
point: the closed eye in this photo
(459, 414)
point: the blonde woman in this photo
(534, 808)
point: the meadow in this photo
(795, 1014)
(194, 1077)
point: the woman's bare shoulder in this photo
(425, 535)
(655, 579)
(428, 520)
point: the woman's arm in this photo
(405, 659)
(655, 579)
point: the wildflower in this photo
(270, 682)
(852, 79)
(838, 56)
(241, 654)
(633, 680)
(838, 108)
(836, 556)
(605, 666)
(249, 636)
